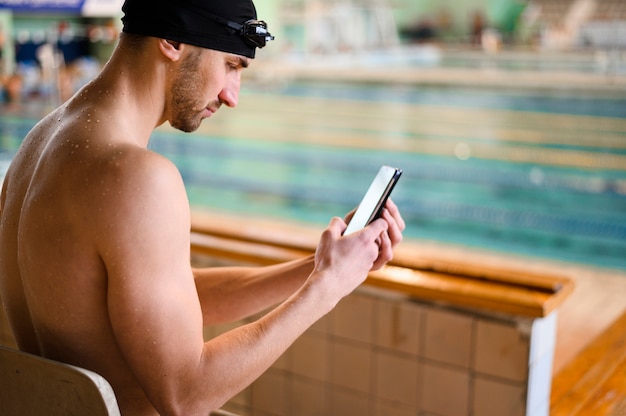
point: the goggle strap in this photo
(241, 28)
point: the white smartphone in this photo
(371, 207)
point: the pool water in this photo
(537, 174)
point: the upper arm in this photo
(152, 300)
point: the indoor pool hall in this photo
(506, 295)
(516, 177)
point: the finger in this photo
(395, 213)
(385, 252)
(375, 229)
(386, 245)
(349, 216)
(394, 230)
(337, 226)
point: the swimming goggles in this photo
(253, 31)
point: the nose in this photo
(229, 95)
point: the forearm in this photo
(231, 293)
(182, 374)
(256, 346)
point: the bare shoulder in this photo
(138, 182)
(131, 166)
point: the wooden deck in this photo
(594, 382)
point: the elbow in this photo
(189, 404)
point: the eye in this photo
(236, 62)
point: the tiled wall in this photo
(382, 354)
(6, 336)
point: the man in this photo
(94, 231)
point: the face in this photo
(219, 72)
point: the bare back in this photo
(57, 194)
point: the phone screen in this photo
(375, 198)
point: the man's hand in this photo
(392, 236)
(346, 260)
(389, 239)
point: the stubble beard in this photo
(186, 111)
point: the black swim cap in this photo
(224, 25)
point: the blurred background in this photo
(508, 117)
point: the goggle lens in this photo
(255, 32)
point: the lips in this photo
(208, 112)
(211, 109)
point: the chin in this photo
(186, 126)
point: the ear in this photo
(171, 49)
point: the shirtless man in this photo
(94, 231)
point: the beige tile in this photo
(497, 398)
(346, 403)
(310, 356)
(501, 350)
(283, 362)
(322, 325)
(352, 318)
(448, 337)
(238, 410)
(398, 325)
(208, 332)
(382, 408)
(351, 366)
(244, 398)
(217, 330)
(396, 378)
(262, 413)
(444, 390)
(309, 398)
(268, 394)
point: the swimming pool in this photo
(537, 174)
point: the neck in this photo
(131, 89)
